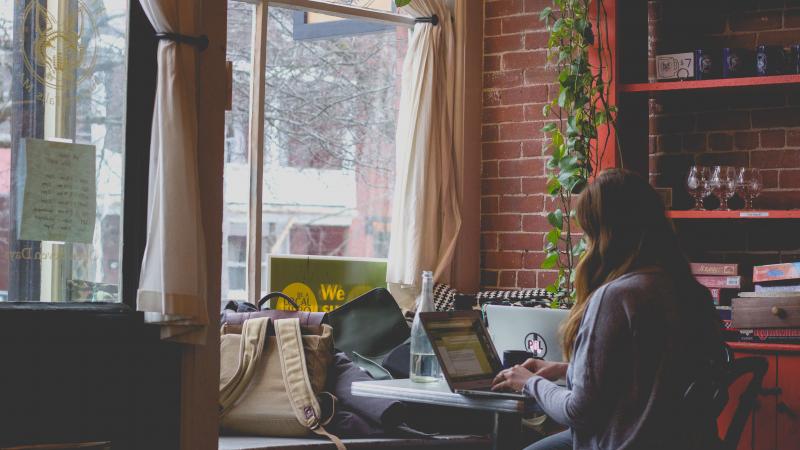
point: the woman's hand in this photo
(512, 379)
(546, 369)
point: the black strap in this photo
(433, 20)
(199, 42)
(272, 295)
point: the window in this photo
(62, 148)
(331, 95)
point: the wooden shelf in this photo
(724, 83)
(774, 214)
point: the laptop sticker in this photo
(536, 344)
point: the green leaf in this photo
(550, 127)
(553, 236)
(544, 15)
(401, 3)
(556, 219)
(562, 98)
(550, 261)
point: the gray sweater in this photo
(633, 359)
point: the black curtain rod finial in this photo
(199, 42)
(433, 20)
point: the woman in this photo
(639, 333)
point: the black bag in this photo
(367, 328)
(235, 313)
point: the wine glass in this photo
(697, 185)
(749, 183)
(723, 185)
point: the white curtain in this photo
(426, 218)
(173, 279)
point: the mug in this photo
(733, 62)
(770, 60)
(706, 66)
(794, 66)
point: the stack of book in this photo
(717, 277)
(777, 278)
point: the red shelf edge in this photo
(748, 215)
(764, 346)
(663, 86)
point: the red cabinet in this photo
(775, 422)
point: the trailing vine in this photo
(580, 109)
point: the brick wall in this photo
(757, 128)
(516, 87)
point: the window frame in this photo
(382, 19)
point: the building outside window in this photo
(331, 94)
(62, 131)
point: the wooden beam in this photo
(346, 11)
(256, 152)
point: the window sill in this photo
(73, 322)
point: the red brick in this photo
(773, 139)
(775, 159)
(535, 223)
(489, 241)
(503, 8)
(511, 131)
(507, 79)
(489, 133)
(546, 278)
(501, 222)
(489, 278)
(504, 43)
(508, 279)
(746, 140)
(502, 260)
(537, 5)
(537, 40)
(756, 21)
(793, 138)
(534, 185)
(778, 200)
(784, 38)
(501, 150)
(491, 98)
(521, 168)
(490, 205)
(720, 142)
(770, 178)
(489, 169)
(521, 204)
(738, 159)
(517, 241)
(503, 114)
(790, 179)
(672, 124)
(534, 259)
(776, 118)
(695, 142)
(526, 279)
(670, 143)
(497, 186)
(521, 23)
(533, 148)
(534, 112)
(723, 120)
(524, 94)
(524, 60)
(540, 75)
(791, 18)
(491, 63)
(492, 27)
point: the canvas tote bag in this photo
(269, 384)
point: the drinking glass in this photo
(697, 185)
(723, 185)
(749, 184)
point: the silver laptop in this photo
(533, 329)
(465, 353)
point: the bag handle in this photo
(295, 378)
(253, 341)
(272, 295)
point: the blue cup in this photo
(770, 60)
(733, 62)
(706, 66)
(794, 66)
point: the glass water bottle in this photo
(424, 365)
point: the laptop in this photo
(465, 352)
(533, 329)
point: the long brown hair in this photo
(626, 228)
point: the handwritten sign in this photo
(56, 185)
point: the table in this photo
(507, 413)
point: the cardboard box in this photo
(776, 272)
(715, 269)
(676, 66)
(734, 282)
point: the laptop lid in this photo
(463, 347)
(536, 330)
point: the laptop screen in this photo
(464, 348)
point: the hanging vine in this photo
(581, 107)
